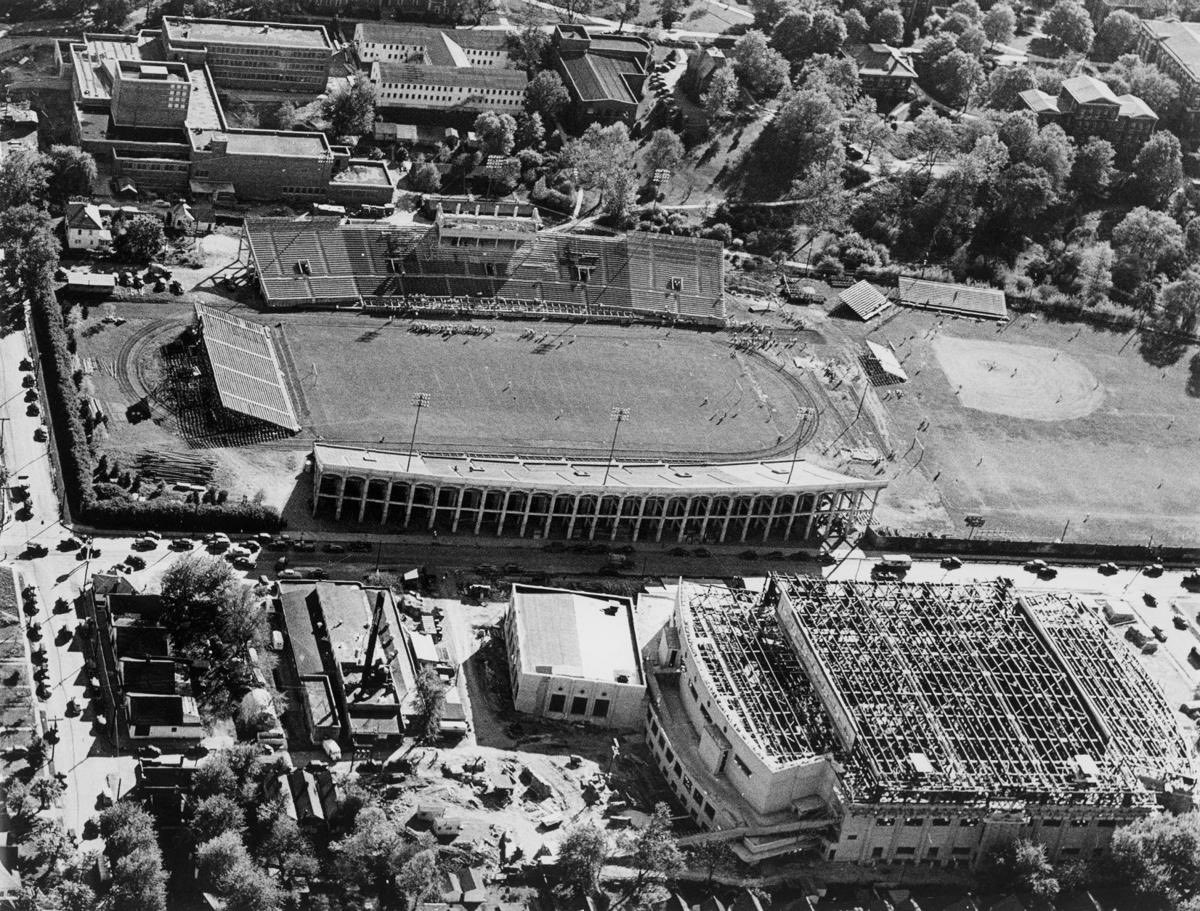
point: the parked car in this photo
(1179, 622)
(332, 548)
(951, 563)
(134, 562)
(1153, 570)
(1035, 566)
(1108, 569)
(145, 544)
(36, 550)
(1158, 633)
(305, 547)
(39, 435)
(69, 543)
(1149, 599)
(181, 544)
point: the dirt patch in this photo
(1022, 381)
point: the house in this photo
(180, 217)
(702, 63)
(84, 226)
(604, 74)
(885, 73)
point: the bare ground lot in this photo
(1038, 425)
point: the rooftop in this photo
(881, 60)
(1179, 39)
(470, 77)
(973, 300)
(1133, 106)
(1089, 90)
(976, 692)
(574, 634)
(361, 171)
(227, 31)
(485, 39)
(145, 71)
(597, 76)
(270, 143)
(94, 59)
(560, 474)
(1039, 102)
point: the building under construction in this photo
(896, 723)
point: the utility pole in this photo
(618, 414)
(799, 443)
(420, 399)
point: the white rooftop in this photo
(573, 634)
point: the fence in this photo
(56, 475)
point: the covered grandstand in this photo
(246, 368)
(485, 263)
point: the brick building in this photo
(885, 73)
(459, 89)
(1085, 107)
(402, 42)
(1174, 47)
(604, 74)
(270, 56)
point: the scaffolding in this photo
(755, 675)
(961, 693)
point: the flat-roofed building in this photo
(448, 88)
(362, 182)
(1174, 47)
(270, 56)
(876, 723)
(149, 94)
(581, 499)
(574, 656)
(263, 164)
(403, 42)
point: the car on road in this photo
(332, 548)
(279, 544)
(145, 544)
(149, 751)
(1179, 622)
(1191, 579)
(39, 435)
(951, 563)
(1034, 566)
(35, 550)
(62, 606)
(33, 410)
(305, 547)
(1158, 633)
(360, 547)
(151, 534)
(313, 572)
(1047, 573)
(288, 574)
(1108, 569)
(281, 564)
(1152, 570)
(134, 562)
(69, 543)
(181, 544)
(1149, 599)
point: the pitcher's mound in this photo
(1021, 381)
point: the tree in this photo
(139, 882)
(1093, 169)
(46, 791)
(665, 151)
(417, 876)
(805, 131)
(1179, 303)
(768, 12)
(955, 76)
(1021, 865)
(581, 857)
(822, 202)
(575, 8)
(46, 846)
(1005, 85)
(1149, 241)
(424, 177)
(195, 593)
(546, 95)
(431, 691)
(1117, 34)
(23, 179)
(888, 26)
(932, 135)
(285, 116)
(141, 240)
(350, 109)
(286, 847)
(972, 41)
(709, 856)
(72, 895)
(219, 857)
(1069, 26)
(1131, 74)
(654, 850)
(1160, 856)
(1093, 280)
(110, 15)
(28, 238)
(214, 816)
(497, 132)
(801, 33)
(1158, 168)
(857, 30)
(759, 67)
(531, 131)
(127, 827)
(628, 11)
(368, 858)
(870, 129)
(1054, 152)
(72, 172)
(473, 11)
(999, 24)
(602, 157)
(528, 47)
(670, 12)
(721, 96)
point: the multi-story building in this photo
(1174, 47)
(1143, 9)
(574, 656)
(604, 74)
(458, 89)
(268, 56)
(147, 106)
(885, 73)
(86, 228)
(893, 724)
(1085, 107)
(401, 42)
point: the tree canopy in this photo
(1159, 856)
(350, 109)
(1069, 26)
(759, 67)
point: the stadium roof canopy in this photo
(865, 300)
(730, 478)
(887, 361)
(967, 300)
(246, 368)
(324, 262)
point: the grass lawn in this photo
(687, 391)
(1042, 424)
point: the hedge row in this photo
(78, 465)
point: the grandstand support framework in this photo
(720, 503)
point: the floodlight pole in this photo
(799, 442)
(618, 414)
(419, 399)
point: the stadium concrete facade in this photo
(906, 724)
(592, 500)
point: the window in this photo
(1051, 823)
(579, 705)
(1107, 823)
(600, 708)
(581, 273)
(745, 769)
(940, 821)
(704, 712)
(931, 852)
(914, 821)
(877, 852)
(558, 703)
(885, 820)
(695, 695)
(669, 754)
(709, 811)
(905, 851)
(675, 284)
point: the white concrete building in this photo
(403, 42)
(575, 657)
(448, 87)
